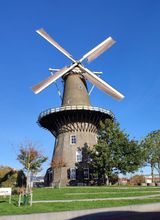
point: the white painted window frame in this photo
(79, 156)
(72, 177)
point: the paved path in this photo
(134, 212)
(97, 199)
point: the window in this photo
(79, 156)
(86, 173)
(73, 139)
(72, 173)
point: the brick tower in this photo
(74, 126)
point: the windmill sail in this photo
(45, 83)
(98, 50)
(46, 36)
(101, 84)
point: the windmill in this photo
(76, 122)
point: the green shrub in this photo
(137, 180)
(10, 177)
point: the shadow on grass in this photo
(120, 215)
(13, 202)
(2, 201)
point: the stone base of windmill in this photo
(75, 129)
(60, 177)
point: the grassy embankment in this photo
(74, 193)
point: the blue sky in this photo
(132, 65)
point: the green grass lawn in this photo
(79, 193)
(92, 192)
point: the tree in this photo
(114, 152)
(31, 159)
(137, 180)
(151, 148)
(10, 177)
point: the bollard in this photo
(25, 199)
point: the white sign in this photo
(5, 191)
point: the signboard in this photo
(6, 192)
